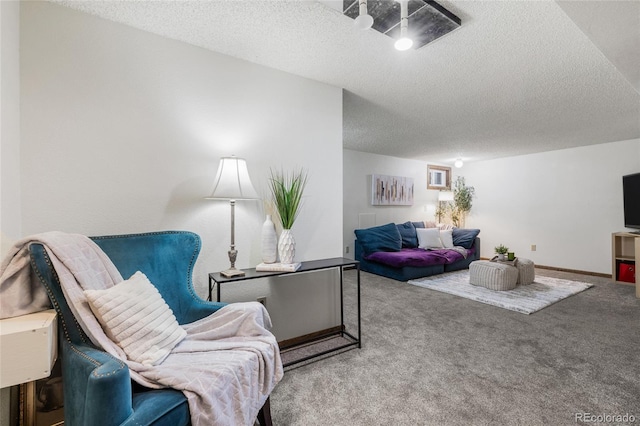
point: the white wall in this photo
(10, 221)
(358, 168)
(122, 131)
(566, 202)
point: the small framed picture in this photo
(438, 177)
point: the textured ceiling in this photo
(517, 77)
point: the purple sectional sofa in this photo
(392, 251)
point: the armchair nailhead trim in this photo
(64, 323)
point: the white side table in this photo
(28, 350)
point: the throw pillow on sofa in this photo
(464, 237)
(379, 238)
(429, 238)
(447, 238)
(408, 234)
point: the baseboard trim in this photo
(285, 344)
(574, 271)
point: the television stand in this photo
(625, 249)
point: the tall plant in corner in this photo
(462, 201)
(286, 193)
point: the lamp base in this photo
(232, 272)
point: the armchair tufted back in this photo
(167, 258)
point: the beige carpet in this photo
(431, 358)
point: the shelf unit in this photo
(625, 247)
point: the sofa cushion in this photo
(446, 236)
(379, 238)
(418, 225)
(408, 234)
(415, 257)
(464, 237)
(429, 238)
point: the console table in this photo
(216, 280)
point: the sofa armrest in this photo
(358, 252)
(97, 386)
(476, 246)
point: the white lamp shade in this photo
(445, 196)
(233, 181)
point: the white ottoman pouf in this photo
(493, 275)
(526, 271)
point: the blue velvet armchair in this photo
(98, 389)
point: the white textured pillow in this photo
(447, 238)
(429, 238)
(135, 316)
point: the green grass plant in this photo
(287, 190)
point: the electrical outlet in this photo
(533, 247)
(346, 249)
(262, 300)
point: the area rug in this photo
(544, 291)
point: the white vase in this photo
(500, 256)
(269, 241)
(286, 246)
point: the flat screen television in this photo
(631, 198)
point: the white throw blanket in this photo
(226, 366)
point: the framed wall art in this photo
(391, 190)
(439, 177)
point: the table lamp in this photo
(233, 183)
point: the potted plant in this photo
(501, 250)
(286, 191)
(462, 201)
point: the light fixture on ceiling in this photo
(364, 21)
(233, 183)
(404, 42)
(458, 163)
(429, 20)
